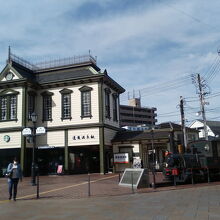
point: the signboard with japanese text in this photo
(121, 158)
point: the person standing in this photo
(14, 174)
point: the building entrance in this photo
(49, 159)
(83, 160)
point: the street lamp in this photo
(33, 174)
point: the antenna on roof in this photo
(133, 93)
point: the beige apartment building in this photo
(74, 100)
(134, 114)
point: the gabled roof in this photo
(213, 125)
(210, 123)
(174, 126)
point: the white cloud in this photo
(140, 46)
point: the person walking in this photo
(14, 174)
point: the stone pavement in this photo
(201, 203)
(59, 199)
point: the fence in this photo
(79, 186)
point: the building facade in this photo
(133, 114)
(76, 103)
(150, 145)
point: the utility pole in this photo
(201, 86)
(183, 122)
(202, 104)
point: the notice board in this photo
(139, 177)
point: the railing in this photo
(65, 62)
(53, 63)
(22, 62)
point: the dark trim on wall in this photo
(66, 152)
(23, 139)
(79, 126)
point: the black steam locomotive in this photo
(201, 161)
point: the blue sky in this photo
(149, 46)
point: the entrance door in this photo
(83, 160)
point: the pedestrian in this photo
(14, 173)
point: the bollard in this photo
(192, 176)
(38, 183)
(154, 179)
(89, 192)
(208, 175)
(174, 180)
(119, 177)
(132, 182)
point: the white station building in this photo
(75, 102)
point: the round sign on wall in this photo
(7, 138)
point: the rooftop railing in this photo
(53, 63)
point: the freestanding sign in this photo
(121, 158)
(26, 132)
(136, 177)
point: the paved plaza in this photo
(67, 198)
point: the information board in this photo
(121, 158)
(139, 178)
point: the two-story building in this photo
(76, 103)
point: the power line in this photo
(188, 15)
(165, 86)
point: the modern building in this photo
(213, 128)
(133, 114)
(150, 145)
(76, 103)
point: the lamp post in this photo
(153, 150)
(33, 174)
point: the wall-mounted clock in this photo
(9, 76)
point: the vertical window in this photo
(3, 108)
(66, 103)
(86, 101)
(66, 106)
(107, 102)
(47, 106)
(31, 104)
(86, 107)
(13, 107)
(8, 107)
(115, 107)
